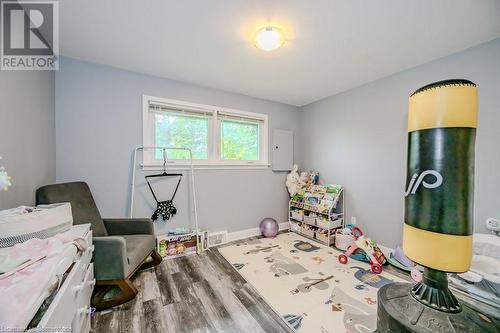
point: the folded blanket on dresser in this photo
(26, 286)
(43, 221)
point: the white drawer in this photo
(60, 313)
(87, 255)
(84, 292)
(73, 295)
(85, 327)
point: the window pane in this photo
(239, 141)
(181, 131)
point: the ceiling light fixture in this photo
(269, 39)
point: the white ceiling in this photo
(333, 45)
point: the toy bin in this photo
(310, 219)
(295, 226)
(296, 215)
(342, 242)
(323, 237)
(307, 231)
(325, 224)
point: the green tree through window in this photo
(173, 130)
(239, 141)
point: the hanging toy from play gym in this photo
(164, 208)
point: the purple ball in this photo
(269, 227)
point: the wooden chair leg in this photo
(128, 292)
(127, 288)
(153, 261)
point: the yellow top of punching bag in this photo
(450, 103)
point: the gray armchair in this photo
(122, 246)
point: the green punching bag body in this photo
(437, 232)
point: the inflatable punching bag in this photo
(439, 197)
(437, 231)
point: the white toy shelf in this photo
(317, 221)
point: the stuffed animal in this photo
(314, 175)
(4, 179)
(292, 180)
(304, 179)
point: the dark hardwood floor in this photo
(203, 293)
(197, 293)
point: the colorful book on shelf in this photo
(318, 198)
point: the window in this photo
(216, 136)
(174, 130)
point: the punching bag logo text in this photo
(416, 180)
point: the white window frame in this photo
(214, 155)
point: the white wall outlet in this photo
(217, 238)
(493, 224)
(353, 220)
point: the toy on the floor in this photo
(439, 219)
(372, 251)
(269, 227)
(344, 238)
(398, 259)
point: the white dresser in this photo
(70, 309)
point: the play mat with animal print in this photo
(306, 285)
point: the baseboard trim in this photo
(246, 233)
(241, 234)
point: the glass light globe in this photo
(269, 39)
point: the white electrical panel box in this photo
(282, 150)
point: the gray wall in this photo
(27, 133)
(99, 122)
(358, 139)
